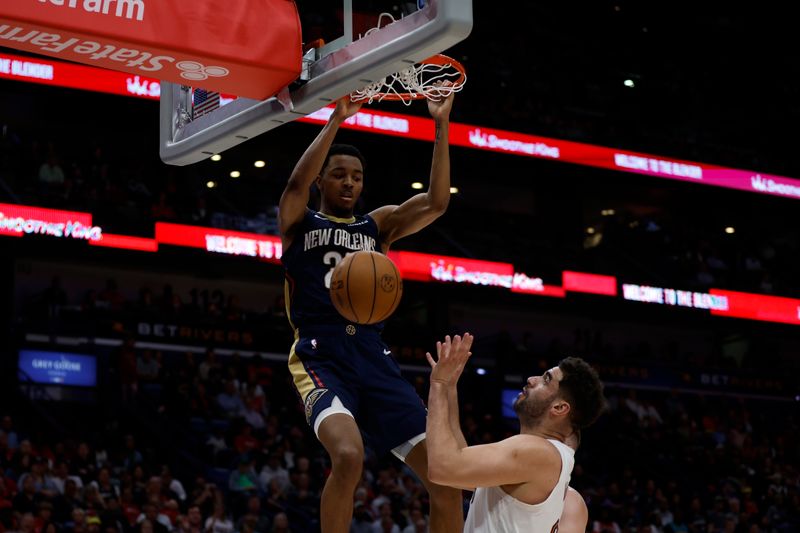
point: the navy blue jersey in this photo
(318, 246)
(339, 367)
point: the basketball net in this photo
(435, 78)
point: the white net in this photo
(435, 78)
(424, 80)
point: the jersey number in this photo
(333, 259)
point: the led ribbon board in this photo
(58, 73)
(36, 222)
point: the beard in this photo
(532, 410)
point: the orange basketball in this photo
(366, 287)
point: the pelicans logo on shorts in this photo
(312, 399)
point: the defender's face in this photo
(538, 394)
(341, 183)
(545, 384)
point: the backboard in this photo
(347, 63)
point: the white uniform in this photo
(494, 511)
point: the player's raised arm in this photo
(452, 388)
(397, 221)
(518, 459)
(445, 403)
(295, 196)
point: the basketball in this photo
(366, 287)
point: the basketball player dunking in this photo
(522, 481)
(345, 374)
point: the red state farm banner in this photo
(249, 48)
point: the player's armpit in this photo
(518, 459)
(291, 210)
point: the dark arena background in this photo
(626, 189)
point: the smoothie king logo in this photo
(448, 271)
(769, 185)
(71, 228)
(490, 140)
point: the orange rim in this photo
(438, 59)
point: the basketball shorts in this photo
(348, 369)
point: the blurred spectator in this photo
(147, 367)
(132, 456)
(253, 418)
(151, 513)
(192, 522)
(65, 504)
(129, 508)
(202, 404)
(77, 522)
(605, 524)
(61, 475)
(219, 522)
(229, 400)
(113, 517)
(51, 174)
(273, 470)
(106, 487)
(362, 519)
(209, 365)
(7, 431)
(385, 524)
(276, 497)
(44, 516)
(43, 484)
(27, 499)
(245, 442)
(110, 297)
(149, 526)
(27, 524)
(255, 520)
(280, 524)
(417, 523)
(244, 478)
(216, 442)
(172, 485)
(82, 463)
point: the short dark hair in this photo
(582, 388)
(345, 149)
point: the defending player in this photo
(521, 481)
